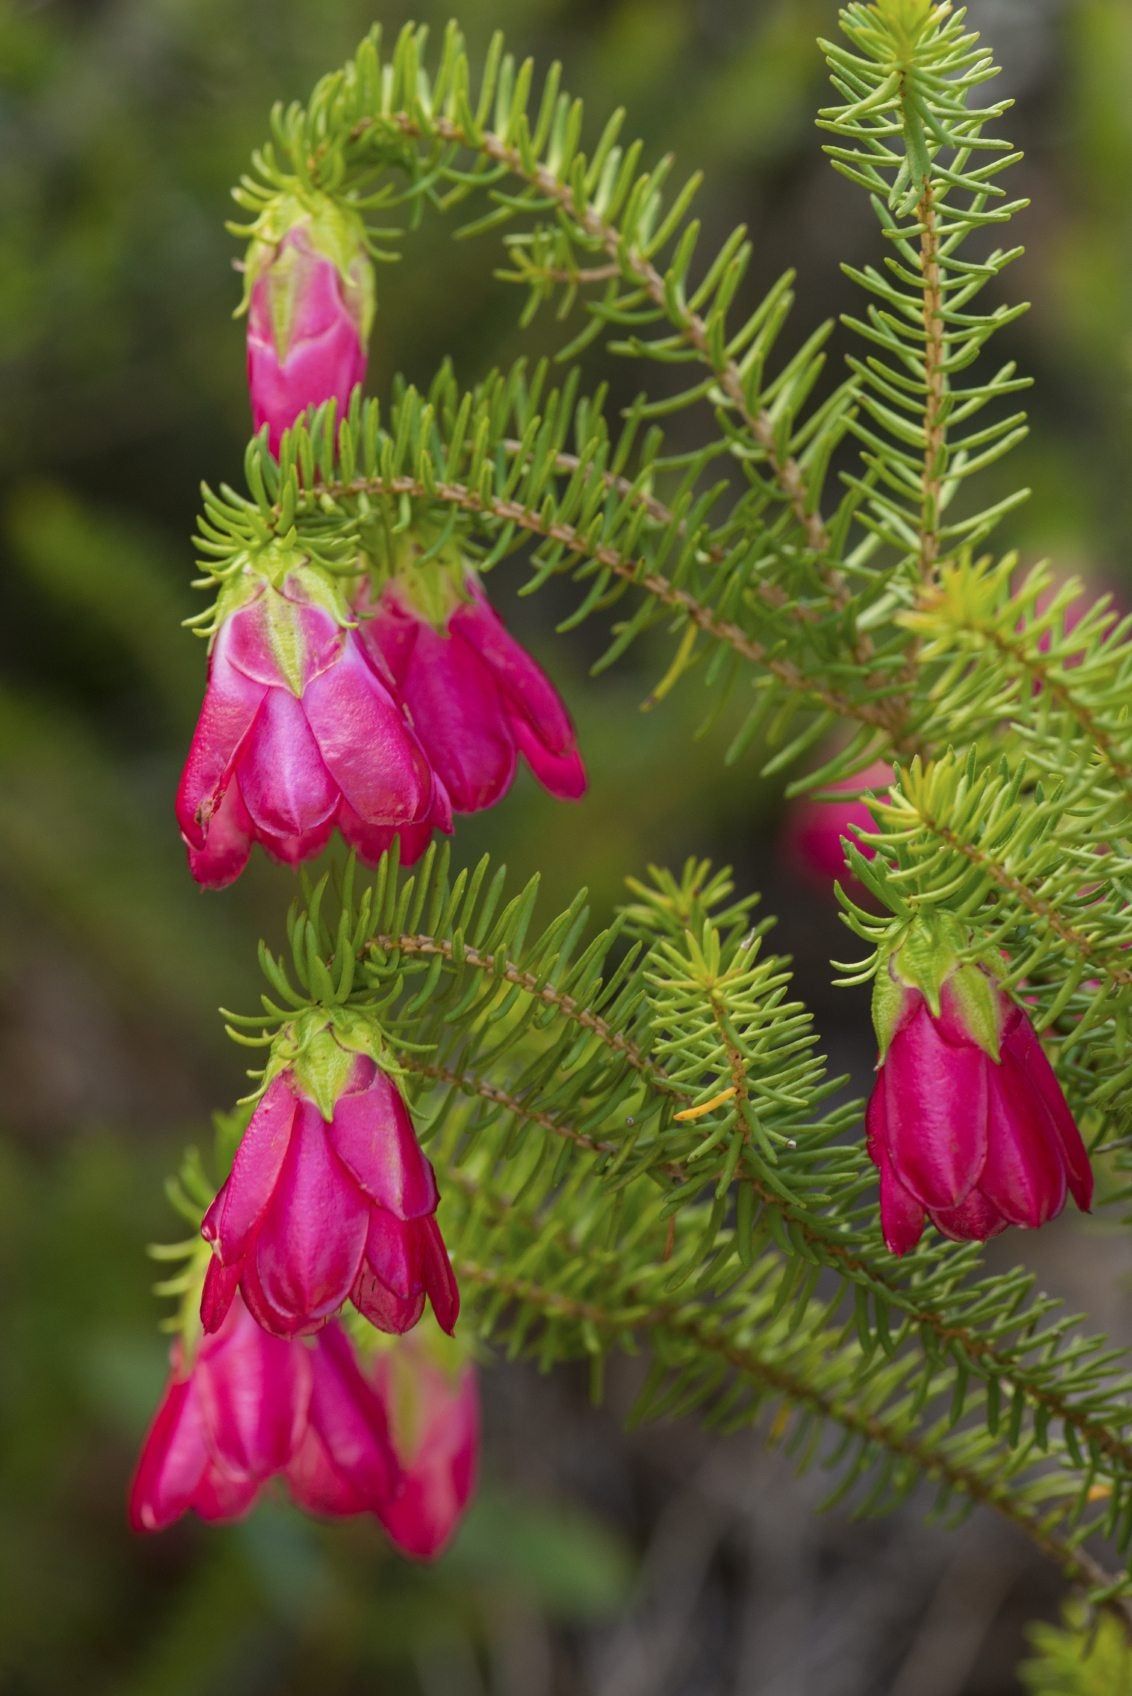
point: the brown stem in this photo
(935, 433)
(633, 571)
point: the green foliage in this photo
(1080, 1657)
(632, 1153)
(638, 1142)
(910, 133)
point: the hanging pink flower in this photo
(812, 836)
(310, 309)
(967, 1122)
(476, 698)
(432, 1406)
(250, 1407)
(230, 1419)
(299, 735)
(329, 1199)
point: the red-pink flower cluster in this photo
(812, 838)
(397, 1438)
(375, 709)
(376, 721)
(967, 1123)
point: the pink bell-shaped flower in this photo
(813, 830)
(476, 698)
(310, 310)
(431, 1402)
(329, 1199)
(299, 734)
(251, 1407)
(967, 1123)
(230, 1419)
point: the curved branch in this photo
(984, 1490)
(634, 572)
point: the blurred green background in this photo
(595, 1564)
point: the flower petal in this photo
(371, 841)
(231, 702)
(173, 1459)
(243, 1198)
(254, 1394)
(901, 1216)
(218, 1497)
(350, 1467)
(218, 1293)
(1022, 1043)
(458, 712)
(438, 1457)
(311, 1241)
(973, 1221)
(285, 785)
(373, 1137)
(366, 745)
(1024, 1174)
(562, 775)
(525, 685)
(935, 1123)
(228, 843)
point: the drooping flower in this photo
(250, 1407)
(299, 734)
(967, 1123)
(431, 1402)
(230, 1419)
(476, 698)
(814, 828)
(329, 1199)
(310, 311)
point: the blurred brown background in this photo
(660, 1564)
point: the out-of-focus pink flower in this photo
(434, 1421)
(476, 698)
(230, 1419)
(329, 1199)
(811, 839)
(967, 1122)
(251, 1407)
(309, 313)
(299, 733)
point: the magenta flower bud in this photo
(433, 1409)
(811, 839)
(310, 309)
(475, 697)
(967, 1123)
(230, 1419)
(329, 1199)
(299, 734)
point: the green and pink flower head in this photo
(967, 1123)
(301, 732)
(310, 299)
(330, 1198)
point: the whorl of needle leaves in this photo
(816, 548)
